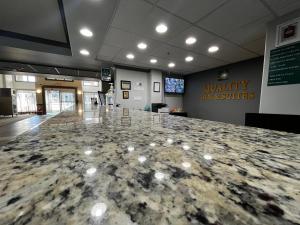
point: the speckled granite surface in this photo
(132, 167)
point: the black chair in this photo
(288, 123)
(156, 106)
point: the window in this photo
(26, 101)
(24, 78)
(91, 83)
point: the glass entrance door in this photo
(52, 101)
(67, 100)
(60, 100)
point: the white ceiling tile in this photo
(81, 14)
(191, 10)
(124, 39)
(108, 52)
(282, 7)
(250, 32)
(203, 38)
(234, 14)
(141, 18)
(232, 53)
(257, 46)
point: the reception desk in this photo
(152, 169)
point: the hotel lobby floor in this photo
(134, 167)
(10, 128)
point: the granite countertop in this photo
(128, 167)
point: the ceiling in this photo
(47, 32)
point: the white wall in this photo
(9, 81)
(282, 99)
(23, 85)
(138, 95)
(1, 80)
(91, 88)
(174, 101)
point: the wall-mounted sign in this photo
(288, 32)
(234, 90)
(106, 74)
(284, 65)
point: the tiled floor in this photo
(10, 130)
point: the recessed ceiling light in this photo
(153, 61)
(213, 49)
(86, 32)
(84, 52)
(171, 65)
(142, 45)
(161, 28)
(130, 56)
(189, 58)
(190, 40)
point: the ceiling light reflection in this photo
(88, 152)
(142, 159)
(152, 144)
(186, 165)
(170, 141)
(98, 210)
(159, 176)
(91, 171)
(207, 157)
(186, 146)
(130, 148)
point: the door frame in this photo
(57, 87)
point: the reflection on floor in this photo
(14, 127)
(4, 120)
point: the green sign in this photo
(285, 65)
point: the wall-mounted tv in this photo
(174, 85)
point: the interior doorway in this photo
(90, 100)
(58, 100)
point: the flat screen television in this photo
(174, 85)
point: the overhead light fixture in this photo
(153, 61)
(84, 52)
(171, 65)
(161, 28)
(189, 58)
(86, 32)
(130, 56)
(142, 45)
(190, 40)
(213, 49)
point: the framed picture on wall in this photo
(288, 32)
(125, 85)
(156, 87)
(125, 94)
(125, 112)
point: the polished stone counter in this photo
(132, 167)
